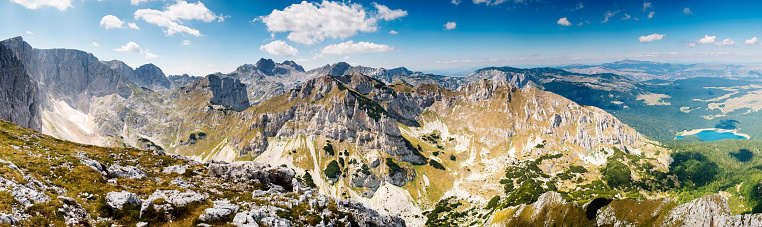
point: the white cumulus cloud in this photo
(725, 42)
(450, 25)
(650, 38)
(186, 42)
(687, 11)
(707, 39)
(131, 47)
(387, 14)
(279, 48)
(393, 32)
(752, 41)
(36, 4)
(111, 22)
(563, 22)
(350, 47)
(310, 23)
(455, 2)
(173, 17)
(651, 14)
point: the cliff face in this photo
(19, 93)
(227, 91)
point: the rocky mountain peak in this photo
(265, 65)
(293, 65)
(151, 76)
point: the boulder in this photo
(222, 209)
(130, 172)
(117, 200)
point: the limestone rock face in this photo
(19, 92)
(228, 91)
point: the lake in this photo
(711, 135)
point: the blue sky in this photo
(201, 37)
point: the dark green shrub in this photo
(332, 170)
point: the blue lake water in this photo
(711, 135)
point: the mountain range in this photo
(497, 147)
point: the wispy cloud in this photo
(608, 15)
(687, 11)
(646, 5)
(350, 47)
(651, 14)
(578, 7)
(725, 42)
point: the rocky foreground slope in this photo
(45, 181)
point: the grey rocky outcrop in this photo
(179, 169)
(129, 172)
(362, 180)
(252, 171)
(117, 200)
(228, 91)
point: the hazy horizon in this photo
(447, 36)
